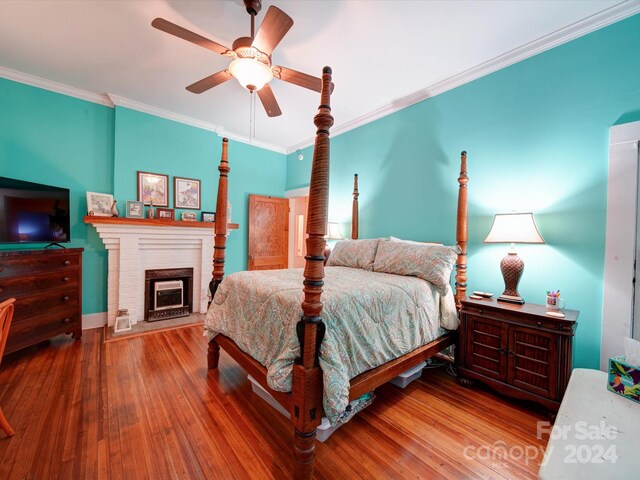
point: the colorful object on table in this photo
(554, 302)
(624, 379)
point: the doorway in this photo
(621, 302)
(298, 203)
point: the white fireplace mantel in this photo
(137, 245)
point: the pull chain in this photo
(252, 117)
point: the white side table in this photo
(596, 434)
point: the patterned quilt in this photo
(371, 318)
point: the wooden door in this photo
(268, 232)
(533, 360)
(486, 347)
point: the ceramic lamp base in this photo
(511, 267)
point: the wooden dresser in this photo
(517, 349)
(47, 286)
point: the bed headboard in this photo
(354, 209)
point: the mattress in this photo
(370, 317)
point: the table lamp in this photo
(513, 228)
(333, 233)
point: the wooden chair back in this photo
(6, 314)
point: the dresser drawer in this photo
(40, 328)
(24, 265)
(35, 284)
(66, 299)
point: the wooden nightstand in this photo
(516, 349)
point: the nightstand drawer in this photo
(508, 315)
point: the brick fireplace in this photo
(136, 246)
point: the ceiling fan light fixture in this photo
(250, 73)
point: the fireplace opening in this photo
(168, 293)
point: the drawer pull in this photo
(65, 298)
(503, 351)
(67, 320)
(511, 353)
(67, 262)
(539, 324)
(65, 279)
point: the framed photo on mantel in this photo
(153, 189)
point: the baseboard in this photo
(94, 320)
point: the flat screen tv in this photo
(33, 213)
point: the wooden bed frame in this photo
(305, 400)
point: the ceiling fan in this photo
(251, 56)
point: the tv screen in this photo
(33, 213)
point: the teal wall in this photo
(537, 134)
(58, 140)
(148, 143)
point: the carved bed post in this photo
(354, 209)
(306, 391)
(219, 247)
(461, 233)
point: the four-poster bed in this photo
(305, 400)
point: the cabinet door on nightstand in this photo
(533, 359)
(486, 345)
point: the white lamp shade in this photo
(252, 74)
(514, 228)
(333, 231)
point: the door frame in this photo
(296, 193)
(620, 243)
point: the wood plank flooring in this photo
(147, 407)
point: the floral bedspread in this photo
(371, 318)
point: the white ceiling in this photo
(384, 54)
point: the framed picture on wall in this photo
(153, 188)
(164, 213)
(99, 204)
(186, 193)
(135, 209)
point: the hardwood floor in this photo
(147, 407)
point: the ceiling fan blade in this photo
(210, 82)
(188, 35)
(269, 102)
(274, 27)
(298, 78)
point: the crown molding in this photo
(176, 117)
(578, 29)
(55, 86)
(160, 112)
(255, 143)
